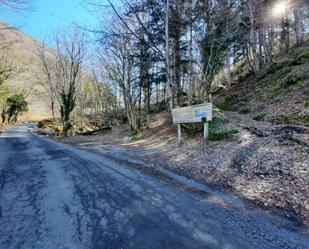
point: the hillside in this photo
(278, 94)
(22, 55)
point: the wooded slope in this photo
(21, 55)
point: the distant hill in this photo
(22, 55)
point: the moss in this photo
(284, 71)
(260, 107)
(276, 66)
(284, 120)
(260, 116)
(294, 77)
(278, 75)
(135, 135)
(229, 101)
(287, 119)
(245, 110)
(296, 141)
(222, 135)
(292, 81)
(218, 129)
(217, 122)
(292, 119)
(306, 119)
(300, 56)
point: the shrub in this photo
(15, 105)
(293, 77)
(306, 119)
(229, 101)
(218, 121)
(135, 135)
(300, 56)
(245, 110)
(260, 116)
(222, 135)
(220, 129)
(283, 120)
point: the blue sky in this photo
(48, 15)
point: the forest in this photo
(181, 51)
(149, 56)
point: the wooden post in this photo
(179, 134)
(148, 120)
(206, 132)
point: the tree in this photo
(70, 54)
(16, 5)
(4, 94)
(118, 62)
(47, 79)
(15, 105)
(176, 47)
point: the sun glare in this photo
(279, 9)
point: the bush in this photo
(306, 119)
(229, 101)
(293, 77)
(300, 56)
(218, 121)
(245, 110)
(260, 117)
(15, 105)
(135, 135)
(222, 135)
(192, 129)
(277, 66)
(220, 129)
(284, 71)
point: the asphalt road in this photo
(56, 196)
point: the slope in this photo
(21, 54)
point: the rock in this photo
(45, 123)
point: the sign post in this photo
(193, 114)
(179, 134)
(206, 132)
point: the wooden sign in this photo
(192, 114)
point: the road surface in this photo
(56, 196)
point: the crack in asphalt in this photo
(56, 196)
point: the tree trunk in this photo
(298, 26)
(177, 52)
(167, 55)
(190, 90)
(285, 34)
(53, 111)
(253, 40)
(228, 69)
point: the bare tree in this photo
(119, 63)
(68, 69)
(16, 5)
(47, 79)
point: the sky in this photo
(49, 15)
